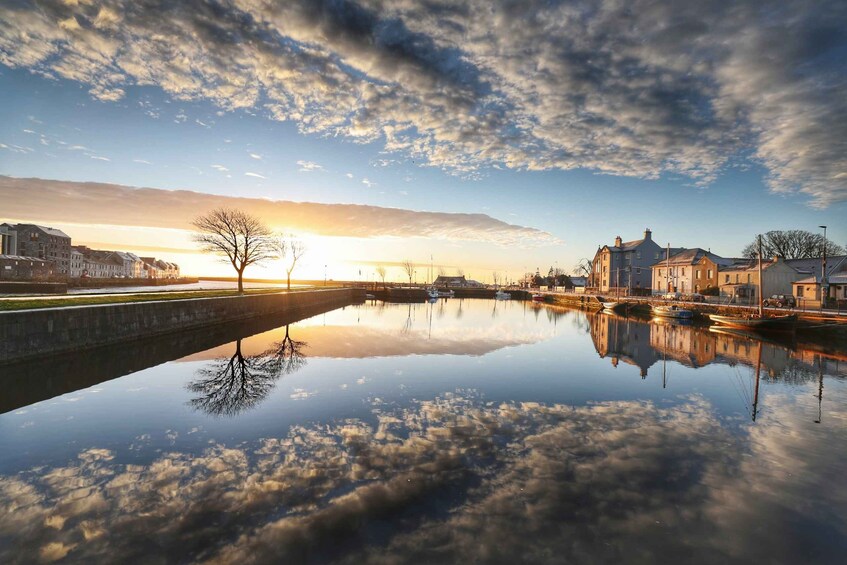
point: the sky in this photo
(478, 136)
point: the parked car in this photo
(780, 301)
(671, 296)
(694, 297)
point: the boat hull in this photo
(673, 313)
(775, 323)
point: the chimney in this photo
(777, 258)
(618, 241)
(648, 235)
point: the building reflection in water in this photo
(644, 343)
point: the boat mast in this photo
(668, 274)
(761, 285)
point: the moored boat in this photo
(538, 297)
(500, 295)
(613, 305)
(672, 311)
(446, 294)
(773, 323)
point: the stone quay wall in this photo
(31, 333)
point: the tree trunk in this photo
(241, 281)
(289, 282)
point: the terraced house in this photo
(687, 271)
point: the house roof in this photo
(47, 230)
(691, 257)
(812, 265)
(23, 258)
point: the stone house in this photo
(16, 267)
(45, 243)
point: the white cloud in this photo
(256, 156)
(99, 158)
(650, 88)
(220, 168)
(349, 175)
(309, 166)
(142, 161)
(368, 183)
(256, 175)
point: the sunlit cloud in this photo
(256, 175)
(220, 168)
(256, 156)
(309, 166)
(58, 200)
(99, 158)
(368, 183)
(142, 161)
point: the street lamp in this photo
(324, 275)
(824, 281)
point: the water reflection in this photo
(453, 479)
(229, 385)
(645, 343)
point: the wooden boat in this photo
(501, 295)
(772, 323)
(613, 305)
(672, 311)
(538, 298)
(760, 321)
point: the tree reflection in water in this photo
(230, 385)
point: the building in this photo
(687, 271)
(149, 269)
(45, 243)
(739, 282)
(8, 240)
(102, 264)
(454, 281)
(16, 267)
(625, 265)
(77, 264)
(132, 264)
(808, 289)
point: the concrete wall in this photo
(31, 333)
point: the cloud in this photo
(309, 166)
(142, 161)
(349, 175)
(256, 156)
(642, 89)
(220, 168)
(99, 158)
(256, 175)
(149, 207)
(368, 183)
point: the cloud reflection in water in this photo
(456, 478)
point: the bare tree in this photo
(792, 244)
(235, 235)
(409, 269)
(290, 249)
(584, 268)
(496, 278)
(380, 270)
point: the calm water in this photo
(464, 431)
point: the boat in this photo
(759, 321)
(446, 294)
(611, 305)
(500, 295)
(754, 322)
(370, 297)
(538, 297)
(432, 292)
(672, 311)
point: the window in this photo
(660, 272)
(683, 271)
(709, 273)
(697, 274)
(727, 279)
(638, 270)
(749, 278)
(799, 292)
(656, 255)
(638, 255)
(737, 277)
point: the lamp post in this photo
(824, 280)
(324, 275)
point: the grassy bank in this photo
(88, 300)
